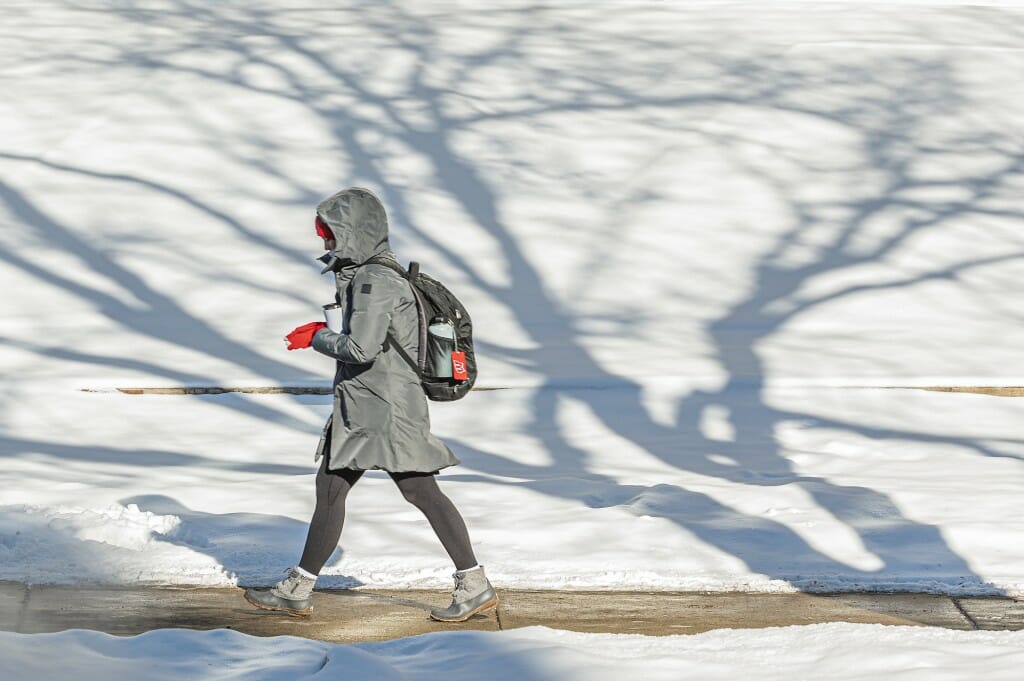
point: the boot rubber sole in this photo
(289, 611)
(489, 605)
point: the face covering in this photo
(322, 230)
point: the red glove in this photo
(302, 336)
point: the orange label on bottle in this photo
(459, 370)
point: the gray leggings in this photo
(419, 489)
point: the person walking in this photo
(380, 419)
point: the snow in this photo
(867, 490)
(710, 250)
(847, 652)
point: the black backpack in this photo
(436, 305)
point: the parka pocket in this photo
(364, 409)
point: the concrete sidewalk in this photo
(350, 616)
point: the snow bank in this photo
(112, 545)
(847, 652)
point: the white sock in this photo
(304, 573)
(469, 569)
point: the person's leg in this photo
(294, 593)
(421, 490)
(473, 593)
(332, 490)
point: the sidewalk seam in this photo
(970, 620)
(24, 608)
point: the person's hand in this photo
(302, 336)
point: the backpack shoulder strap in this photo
(389, 263)
(410, 275)
(390, 340)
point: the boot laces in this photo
(469, 584)
(461, 592)
(291, 582)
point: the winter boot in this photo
(292, 595)
(473, 594)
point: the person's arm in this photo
(373, 299)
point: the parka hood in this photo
(360, 226)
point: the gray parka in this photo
(380, 418)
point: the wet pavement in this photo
(350, 616)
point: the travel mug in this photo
(334, 317)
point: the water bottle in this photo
(441, 345)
